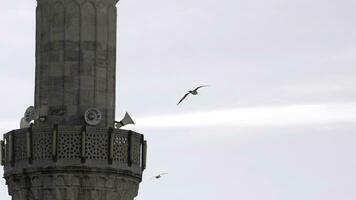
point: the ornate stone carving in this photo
(59, 157)
(68, 177)
(120, 147)
(127, 148)
(48, 185)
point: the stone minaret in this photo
(72, 151)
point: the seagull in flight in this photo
(193, 92)
(159, 176)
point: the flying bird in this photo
(193, 92)
(159, 176)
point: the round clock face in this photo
(92, 116)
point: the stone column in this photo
(75, 60)
(60, 156)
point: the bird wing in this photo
(200, 87)
(183, 98)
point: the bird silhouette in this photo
(159, 176)
(193, 92)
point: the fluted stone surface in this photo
(60, 156)
(75, 60)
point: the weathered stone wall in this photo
(71, 185)
(63, 146)
(73, 163)
(60, 157)
(75, 60)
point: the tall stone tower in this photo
(72, 150)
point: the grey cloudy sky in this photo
(277, 122)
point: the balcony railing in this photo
(62, 146)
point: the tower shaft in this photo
(75, 60)
(63, 156)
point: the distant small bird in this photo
(159, 176)
(193, 92)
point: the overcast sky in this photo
(277, 122)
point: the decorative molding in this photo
(62, 145)
(72, 186)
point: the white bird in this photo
(159, 175)
(193, 92)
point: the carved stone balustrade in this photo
(66, 159)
